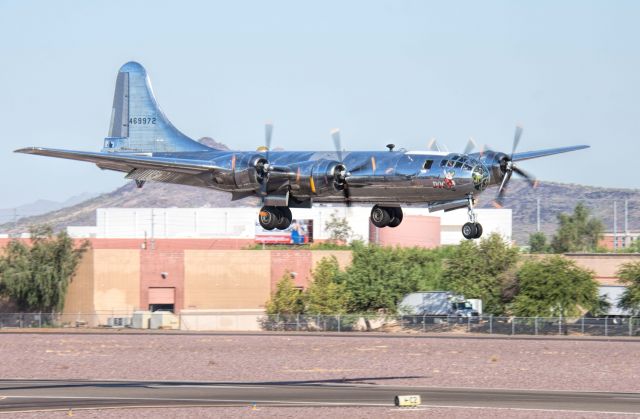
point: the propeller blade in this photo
(335, 134)
(528, 177)
(432, 145)
(503, 187)
(516, 139)
(268, 134)
(471, 145)
(347, 195)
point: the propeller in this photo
(471, 145)
(432, 145)
(342, 176)
(508, 168)
(264, 167)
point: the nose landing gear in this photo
(275, 217)
(386, 216)
(472, 229)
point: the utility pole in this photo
(153, 236)
(538, 214)
(627, 241)
(615, 226)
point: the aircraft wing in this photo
(126, 163)
(526, 155)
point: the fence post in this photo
(338, 323)
(40, 319)
(513, 326)
(630, 326)
(535, 326)
(424, 323)
(469, 324)
(491, 324)
(560, 325)
(606, 326)
(582, 326)
(298, 322)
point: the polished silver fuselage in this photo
(374, 176)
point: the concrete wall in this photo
(80, 293)
(116, 279)
(415, 230)
(226, 279)
(605, 266)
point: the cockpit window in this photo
(427, 165)
(458, 165)
(450, 163)
(443, 163)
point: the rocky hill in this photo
(554, 199)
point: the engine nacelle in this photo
(318, 178)
(239, 171)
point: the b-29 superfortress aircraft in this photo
(143, 144)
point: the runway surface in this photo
(25, 395)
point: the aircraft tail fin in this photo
(137, 123)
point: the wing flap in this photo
(126, 163)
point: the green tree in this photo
(555, 286)
(538, 243)
(483, 271)
(36, 275)
(578, 232)
(634, 247)
(629, 274)
(287, 299)
(338, 228)
(379, 277)
(326, 294)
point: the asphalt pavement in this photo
(26, 395)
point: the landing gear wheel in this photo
(396, 217)
(380, 216)
(478, 230)
(285, 218)
(268, 217)
(469, 230)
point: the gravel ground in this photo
(488, 363)
(315, 412)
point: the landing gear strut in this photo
(275, 217)
(386, 216)
(472, 229)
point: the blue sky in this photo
(382, 71)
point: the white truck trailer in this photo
(439, 303)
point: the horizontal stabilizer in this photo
(526, 155)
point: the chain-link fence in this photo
(558, 326)
(107, 318)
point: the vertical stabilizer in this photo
(137, 123)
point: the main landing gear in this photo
(472, 229)
(386, 216)
(275, 217)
